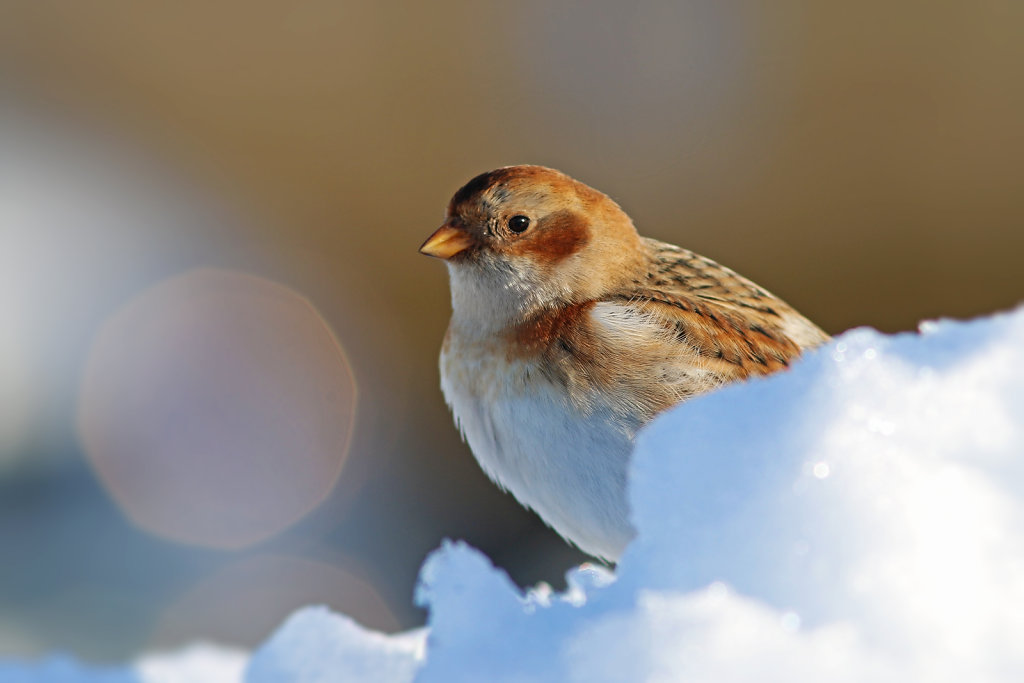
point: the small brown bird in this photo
(570, 332)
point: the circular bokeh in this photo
(217, 408)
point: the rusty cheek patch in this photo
(556, 237)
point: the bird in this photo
(569, 332)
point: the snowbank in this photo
(196, 664)
(860, 517)
(317, 645)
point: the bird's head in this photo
(522, 238)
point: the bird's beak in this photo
(446, 242)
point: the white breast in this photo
(569, 467)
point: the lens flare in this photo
(217, 408)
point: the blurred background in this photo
(218, 382)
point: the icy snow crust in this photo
(858, 518)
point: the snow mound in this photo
(316, 645)
(857, 518)
(860, 517)
(194, 664)
(198, 663)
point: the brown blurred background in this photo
(197, 199)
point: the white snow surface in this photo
(194, 664)
(317, 645)
(857, 518)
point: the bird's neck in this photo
(484, 305)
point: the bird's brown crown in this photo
(565, 216)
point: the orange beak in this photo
(446, 242)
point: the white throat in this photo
(489, 299)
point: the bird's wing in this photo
(726, 323)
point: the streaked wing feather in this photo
(734, 327)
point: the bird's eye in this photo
(518, 223)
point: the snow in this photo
(317, 645)
(195, 664)
(860, 517)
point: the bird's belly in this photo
(568, 465)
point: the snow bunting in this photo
(570, 331)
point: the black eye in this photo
(518, 223)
